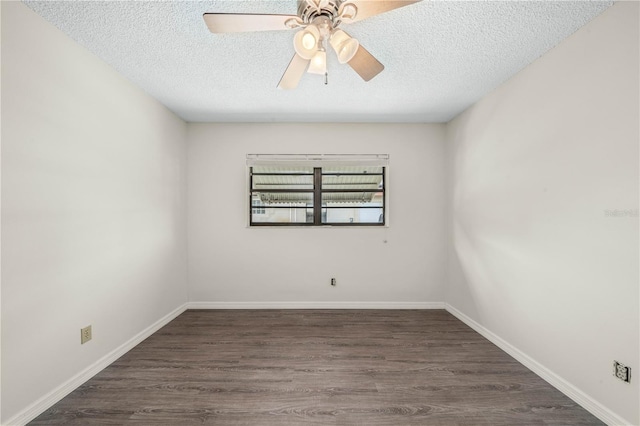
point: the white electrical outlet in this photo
(85, 334)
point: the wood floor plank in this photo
(316, 367)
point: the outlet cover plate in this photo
(85, 334)
(622, 372)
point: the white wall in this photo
(94, 193)
(229, 262)
(0, 227)
(534, 169)
(93, 209)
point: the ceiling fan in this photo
(318, 22)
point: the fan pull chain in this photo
(326, 78)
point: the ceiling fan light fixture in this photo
(317, 21)
(348, 11)
(318, 64)
(308, 41)
(305, 41)
(344, 45)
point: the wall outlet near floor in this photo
(333, 282)
(622, 372)
(85, 334)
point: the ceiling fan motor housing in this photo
(309, 11)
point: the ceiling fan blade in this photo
(294, 72)
(365, 64)
(241, 22)
(369, 8)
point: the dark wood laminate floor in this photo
(323, 367)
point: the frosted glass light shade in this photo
(308, 41)
(348, 11)
(318, 64)
(344, 45)
(305, 41)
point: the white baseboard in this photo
(41, 405)
(588, 403)
(316, 305)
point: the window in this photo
(320, 193)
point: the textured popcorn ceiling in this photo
(440, 57)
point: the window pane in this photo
(284, 215)
(349, 182)
(257, 207)
(352, 169)
(352, 178)
(274, 170)
(360, 199)
(284, 199)
(283, 182)
(352, 215)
